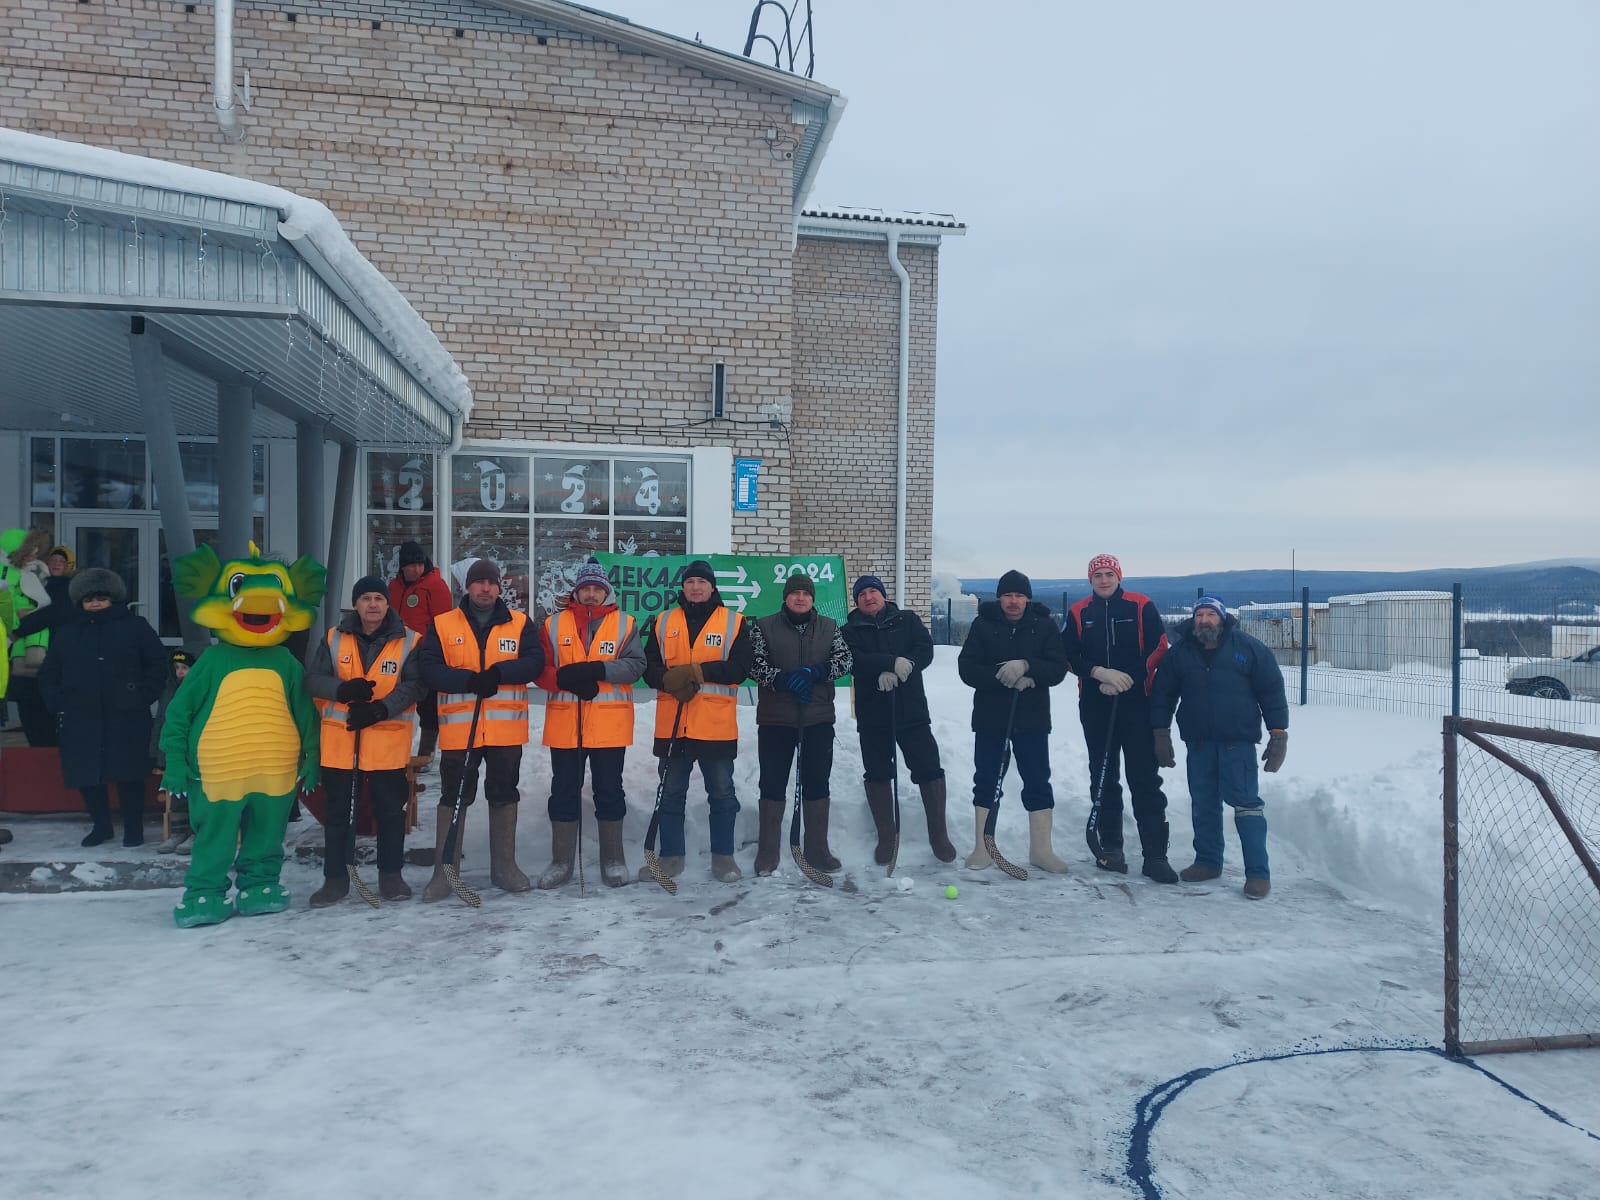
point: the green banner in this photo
(751, 584)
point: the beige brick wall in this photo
(585, 229)
(847, 329)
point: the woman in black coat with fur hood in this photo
(104, 670)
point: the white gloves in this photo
(902, 669)
(1024, 683)
(1011, 671)
(888, 681)
(1112, 681)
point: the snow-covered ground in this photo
(771, 1038)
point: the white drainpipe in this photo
(901, 419)
(222, 87)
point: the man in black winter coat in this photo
(1012, 657)
(892, 648)
(1113, 639)
(1222, 683)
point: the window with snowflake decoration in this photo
(489, 483)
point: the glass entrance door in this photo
(124, 543)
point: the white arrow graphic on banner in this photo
(743, 592)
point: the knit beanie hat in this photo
(181, 657)
(368, 583)
(97, 581)
(799, 582)
(411, 552)
(700, 569)
(1213, 602)
(1014, 581)
(1105, 562)
(483, 569)
(592, 573)
(865, 582)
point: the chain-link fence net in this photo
(1522, 919)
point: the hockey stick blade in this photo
(894, 855)
(468, 897)
(653, 864)
(361, 887)
(817, 877)
(1010, 868)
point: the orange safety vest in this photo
(712, 715)
(607, 720)
(504, 719)
(385, 746)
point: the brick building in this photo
(591, 217)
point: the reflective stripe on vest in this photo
(503, 720)
(385, 746)
(712, 716)
(603, 722)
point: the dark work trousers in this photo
(501, 766)
(428, 720)
(1030, 754)
(566, 783)
(775, 749)
(38, 723)
(1133, 738)
(918, 751)
(386, 791)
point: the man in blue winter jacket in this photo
(1222, 683)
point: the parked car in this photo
(1558, 678)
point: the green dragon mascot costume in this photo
(241, 732)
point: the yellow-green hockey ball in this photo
(951, 892)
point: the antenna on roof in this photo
(785, 46)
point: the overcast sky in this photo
(1241, 278)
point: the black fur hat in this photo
(97, 581)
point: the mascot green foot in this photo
(200, 908)
(261, 899)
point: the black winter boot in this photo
(880, 800)
(98, 805)
(131, 794)
(1160, 870)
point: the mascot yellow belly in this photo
(257, 747)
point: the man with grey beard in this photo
(1222, 684)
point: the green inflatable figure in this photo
(241, 732)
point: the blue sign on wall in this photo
(745, 473)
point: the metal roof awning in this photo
(241, 283)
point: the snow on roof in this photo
(883, 216)
(303, 220)
(1362, 596)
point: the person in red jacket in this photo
(419, 594)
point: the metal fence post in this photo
(1305, 642)
(1455, 650)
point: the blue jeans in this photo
(717, 775)
(1225, 773)
(1031, 752)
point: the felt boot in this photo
(933, 807)
(880, 800)
(563, 849)
(815, 816)
(1040, 852)
(503, 870)
(438, 887)
(769, 839)
(979, 859)
(613, 864)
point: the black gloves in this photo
(352, 690)
(485, 682)
(366, 712)
(581, 679)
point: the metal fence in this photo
(1527, 660)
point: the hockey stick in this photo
(1091, 831)
(356, 881)
(894, 777)
(651, 862)
(1010, 868)
(451, 875)
(817, 877)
